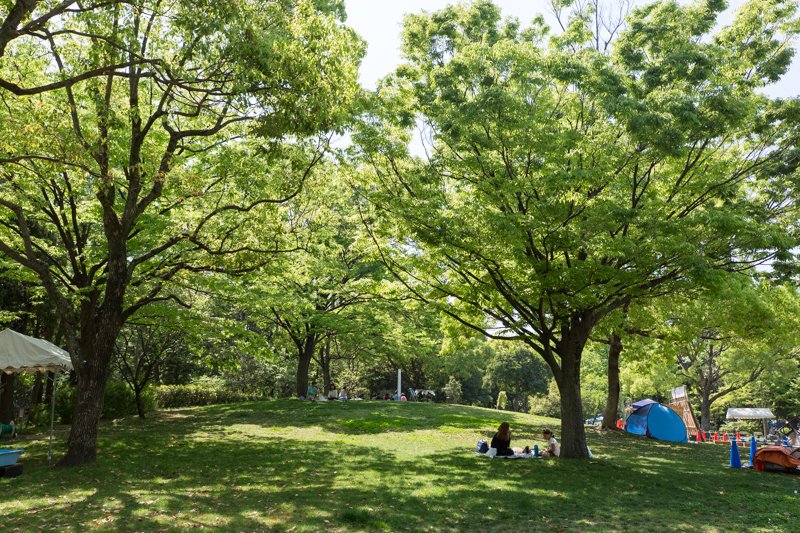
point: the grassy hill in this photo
(374, 466)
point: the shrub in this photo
(453, 390)
(502, 400)
(733, 426)
(171, 396)
(546, 404)
(65, 403)
(119, 401)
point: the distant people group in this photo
(501, 442)
(313, 394)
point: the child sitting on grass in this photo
(553, 449)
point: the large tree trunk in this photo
(305, 355)
(88, 410)
(573, 434)
(325, 364)
(96, 346)
(612, 400)
(568, 379)
(37, 393)
(7, 397)
(139, 402)
(705, 411)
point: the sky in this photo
(379, 22)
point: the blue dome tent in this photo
(656, 421)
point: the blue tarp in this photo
(657, 422)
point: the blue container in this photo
(9, 457)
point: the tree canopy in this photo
(563, 182)
(198, 119)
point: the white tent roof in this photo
(20, 353)
(749, 413)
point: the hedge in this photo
(119, 401)
(171, 396)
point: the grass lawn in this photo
(374, 466)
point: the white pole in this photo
(52, 418)
(399, 386)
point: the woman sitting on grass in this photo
(502, 440)
(553, 449)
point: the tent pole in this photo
(52, 418)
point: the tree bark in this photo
(37, 393)
(139, 402)
(612, 400)
(705, 411)
(96, 349)
(7, 397)
(573, 434)
(305, 354)
(568, 378)
(325, 364)
(16, 15)
(86, 419)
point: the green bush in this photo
(546, 404)
(171, 396)
(65, 403)
(733, 426)
(119, 401)
(39, 414)
(453, 390)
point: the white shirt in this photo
(556, 448)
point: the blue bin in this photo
(9, 457)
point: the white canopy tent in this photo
(751, 413)
(21, 353)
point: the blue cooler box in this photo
(9, 457)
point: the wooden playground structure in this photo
(680, 404)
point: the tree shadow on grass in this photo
(279, 483)
(205, 467)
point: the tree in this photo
(313, 295)
(114, 187)
(140, 350)
(611, 332)
(727, 341)
(517, 372)
(453, 390)
(31, 20)
(563, 182)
